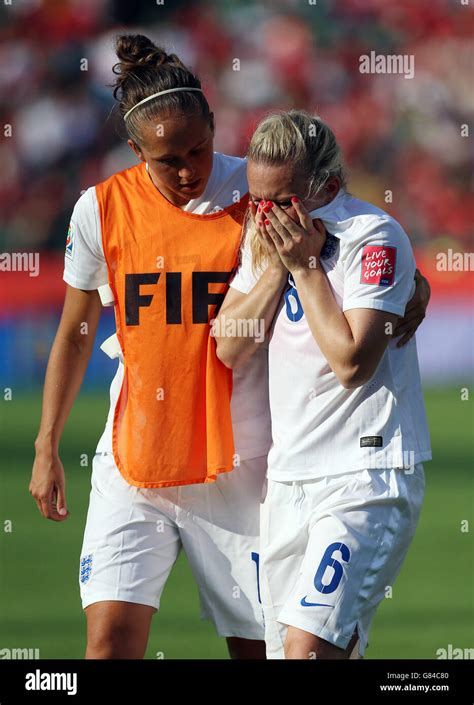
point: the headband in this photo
(155, 95)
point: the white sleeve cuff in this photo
(77, 283)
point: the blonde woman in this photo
(331, 276)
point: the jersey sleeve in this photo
(379, 269)
(245, 279)
(84, 262)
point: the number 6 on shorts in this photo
(328, 561)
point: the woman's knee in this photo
(117, 629)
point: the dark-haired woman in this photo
(159, 241)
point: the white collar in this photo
(335, 215)
(328, 212)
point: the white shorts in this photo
(331, 548)
(133, 536)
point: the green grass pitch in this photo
(40, 605)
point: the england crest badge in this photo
(86, 568)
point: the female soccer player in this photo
(164, 236)
(160, 240)
(345, 479)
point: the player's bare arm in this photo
(259, 304)
(67, 364)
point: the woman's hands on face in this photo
(298, 245)
(274, 260)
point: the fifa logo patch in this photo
(70, 241)
(86, 568)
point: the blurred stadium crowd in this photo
(398, 134)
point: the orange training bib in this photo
(168, 270)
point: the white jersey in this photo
(318, 426)
(85, 268)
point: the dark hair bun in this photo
(133, 49)
(137, 52)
